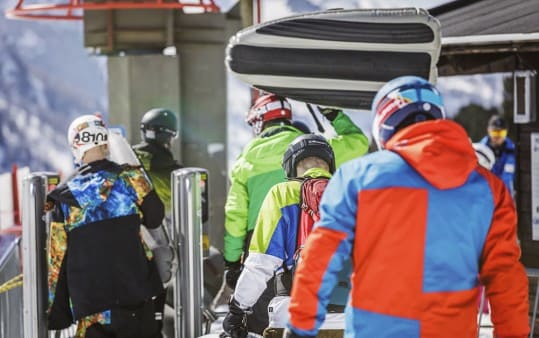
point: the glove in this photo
(291, 334)
(164, 260)
(329, 113)
(164, 254)
(232, 273)
(235, 322)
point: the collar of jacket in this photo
(313, 173)
(439, 150)
(277, 129)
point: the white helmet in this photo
(485, 155)
(85, 133)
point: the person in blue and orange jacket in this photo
(424, 225)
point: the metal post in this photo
(34, 248)
(189, 188)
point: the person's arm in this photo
(272, 242)
(59, 314)
(350, 141)
(508, 173)
(501, 272)
(151, 206)
(236, 209)
(268, 250)
(326, 249)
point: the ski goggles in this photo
(497, 133)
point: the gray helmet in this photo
(159, 125)
(305, 146)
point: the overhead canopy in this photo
(483, 36)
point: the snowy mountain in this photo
(46, 80)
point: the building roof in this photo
(488, 17)
(485, 36)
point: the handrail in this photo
(29, 11)
(10, 242)
(11, 323)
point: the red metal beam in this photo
(36, 11)
(15, 196)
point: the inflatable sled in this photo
(336, 58)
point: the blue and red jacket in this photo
(424, 225)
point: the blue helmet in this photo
(402, 102)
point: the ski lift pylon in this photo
(72, 10)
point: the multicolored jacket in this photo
(424, 225)
(158, 163)
(97, 260)
(505, 164)
(258, 168)
(273, 243)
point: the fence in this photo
(10, 300)
(25, 317)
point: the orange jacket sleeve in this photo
(501, 272)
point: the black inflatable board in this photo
(336, 58)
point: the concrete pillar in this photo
(193, 83)
(138, 84)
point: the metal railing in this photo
(10, 300)
(34, 252)
(189, 213)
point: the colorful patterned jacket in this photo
(424, 225)
(258, 168)
(97, 260)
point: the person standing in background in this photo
(158, 129)
(504, 150)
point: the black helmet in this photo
(497, 122)
(301, 126)
(305, 146)
(159, 125)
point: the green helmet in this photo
(159, 125)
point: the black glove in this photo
(232, 273)
(235, 322)
(289, 334)
(329, 113)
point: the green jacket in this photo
(258, 168)
(158, 163)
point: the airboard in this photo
(338, 57)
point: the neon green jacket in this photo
(258, 168)
(158, 163)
